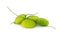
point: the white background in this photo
(49, 9)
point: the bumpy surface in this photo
(32, 17)
(42, 22)
(28, 23)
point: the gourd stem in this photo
(52, 27)
(17, 15)
(11, 11)
(32, 14)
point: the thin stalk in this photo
(17, 15)
(32, 14)
(11, 11)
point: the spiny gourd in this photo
(42, 22)
(33, 17)
(27, 23)
(19, 18)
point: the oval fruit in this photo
(42, 22)
(27, 23)
(20, 18)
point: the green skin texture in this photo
(42, 22)
(32, 17)
(27, 23)
(19, 19)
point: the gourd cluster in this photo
(30, 21)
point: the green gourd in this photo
(19, 19)
(43, 22)
(27, 23)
